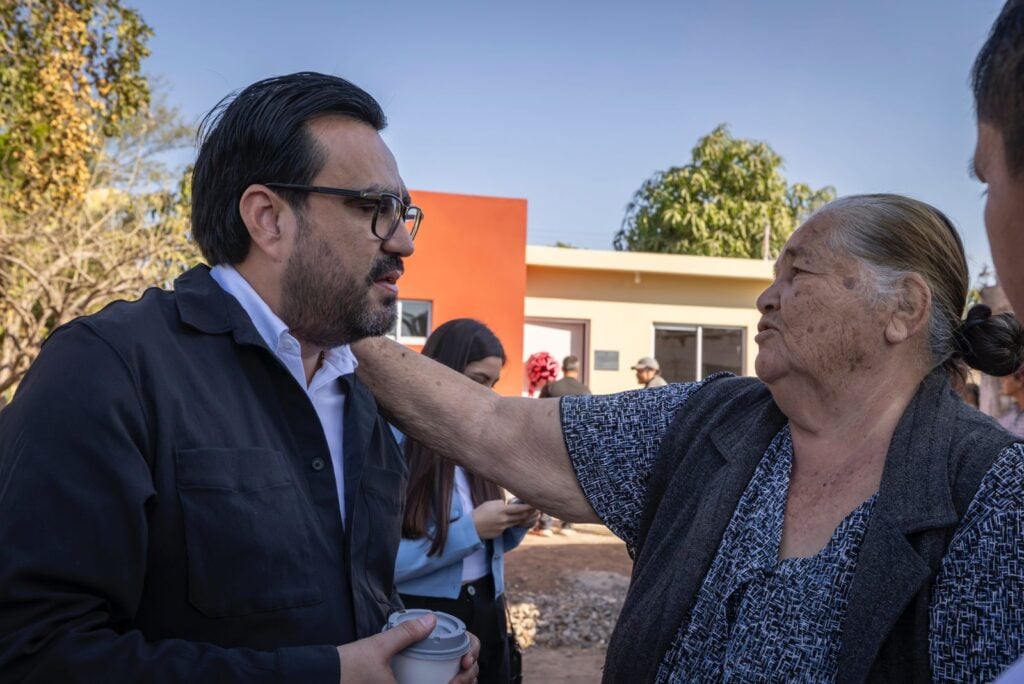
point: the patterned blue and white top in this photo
(757, 618)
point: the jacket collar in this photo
(897, 558)
(915, 491)
(915, 494)
(204, 306)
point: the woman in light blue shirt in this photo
(457, 527)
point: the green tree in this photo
(89, 209)
(69, 80)
(730, 200)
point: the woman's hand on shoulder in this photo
(491, 518)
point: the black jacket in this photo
(168, 511)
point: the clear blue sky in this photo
(571, 105)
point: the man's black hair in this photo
(260, 136)
(998, 82)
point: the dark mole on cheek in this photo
(858, 362)
(849, 282)
(403, 355)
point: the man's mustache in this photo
(386, 265)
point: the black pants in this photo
(484, 616)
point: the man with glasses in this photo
(195, 486)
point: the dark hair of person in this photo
(260, 135)
(998, 82)
(456, 344)
(992, 343)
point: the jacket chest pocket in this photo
(247, 532)
(383, 501)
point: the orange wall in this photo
(470, 261)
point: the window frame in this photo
(397, 333)
(699, 328)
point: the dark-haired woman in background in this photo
(457, 526)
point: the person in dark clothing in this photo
(569, 384)
(195, 487)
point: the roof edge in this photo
(647, 262)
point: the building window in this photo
(413, 324)
(687, 353)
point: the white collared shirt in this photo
(323, 391)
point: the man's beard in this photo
(326, 307)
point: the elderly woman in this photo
(843, 517)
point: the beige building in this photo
(696, 315)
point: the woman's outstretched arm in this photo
(513, 441)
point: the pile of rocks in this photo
(524, 617)
(580, 614)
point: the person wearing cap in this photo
(648, 372)
(843, 516)
(569, 385)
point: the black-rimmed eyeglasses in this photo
(389, 212)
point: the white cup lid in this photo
(448, 640)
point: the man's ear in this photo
(913, 307)
(266, 217)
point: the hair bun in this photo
(994, 344)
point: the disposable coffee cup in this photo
(436, 659)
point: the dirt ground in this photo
(554, 565)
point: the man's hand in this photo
(491, 518)
(369, 660)
(470, 669)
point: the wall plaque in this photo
(606, 360)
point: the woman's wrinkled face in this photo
(817, 318)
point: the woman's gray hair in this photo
(895, 236)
